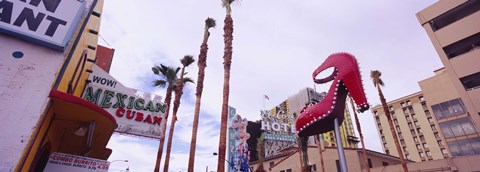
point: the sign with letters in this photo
(135, 114)
(72, 163)
(50, 23)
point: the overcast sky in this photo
(276, 47)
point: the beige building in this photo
(415, 126)
(289, 160)
(454, 95)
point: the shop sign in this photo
(50, 23)
(60, 162)
(136, 115)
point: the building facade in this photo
(454, 30)
(415, 126)
(289, 160)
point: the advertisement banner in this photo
(50, 23)
(60, 162)
(136, 114)
(238, 154)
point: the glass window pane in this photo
(454, 148)
(456, 107)
(466, 147)
(475, 142)
(447, 132)
(437, 111)
(467, 125)
(446, 110)
(456, 127)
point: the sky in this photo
(276, 47)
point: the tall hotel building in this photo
(443, 119)
(454, 29)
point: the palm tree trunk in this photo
(228, 38)
(176, 105)
(392, 129)
(202, 64)
(320, 152)
(359, 129)
(168, 99)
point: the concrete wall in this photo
(460, 164)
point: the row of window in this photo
(465, 147)
(448, 109)
(458, 127)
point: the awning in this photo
(79, 126)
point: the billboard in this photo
(65, 162)
(135, 114)
(50, 23)
(238, 154)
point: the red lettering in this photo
(148, 119)
(120, 112)
(157, 120)
(139, 116)
(130, 114)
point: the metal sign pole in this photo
(341, 152)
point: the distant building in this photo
(289, 160)
(415, 126)
(454, 92)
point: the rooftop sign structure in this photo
(50, 23)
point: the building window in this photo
(408, 118)
(398, 128)
(414, 116)
(272, 163)
(455, 14)
(408, 157)
(465, 147)
(428, 153)
(391, 108)
(425, 145)
(417, 123)
(412, 131)
(282, 170)
(402, 142)
(422, 138)
(436, 135)
(427, 112)
(463, 46)
(375, 112)
(421, 98)
(395, 121)
(408, 102)
(410, 125)
(418, 147)
(448, 109)
(458, 127)
(444, 151)
(421, 154)
(415, 139)
(471, 81)
(411, 110)
(405, 112)
(430, 119)
(289, 170)
(387, 152)
(370, 163)
(384, 163)
(419, 130)
(440, 143)
(424, 106)
(385, 146)
(402, 104)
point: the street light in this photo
(118, 160)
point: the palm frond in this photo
(160, 83)
(375, 76)
(188, 80)
(156, 70)
(210, 22)
(187, 60)
(227, 2)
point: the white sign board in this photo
(135, 114)
(50, 23)
(60, 162)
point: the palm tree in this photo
(186, 61)
(359, 129)
(168, 79)
(227, 57)
(378, 82)
(261, 153)
(202, 64)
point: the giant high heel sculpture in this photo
(326, 115)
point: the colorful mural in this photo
(238, 148)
